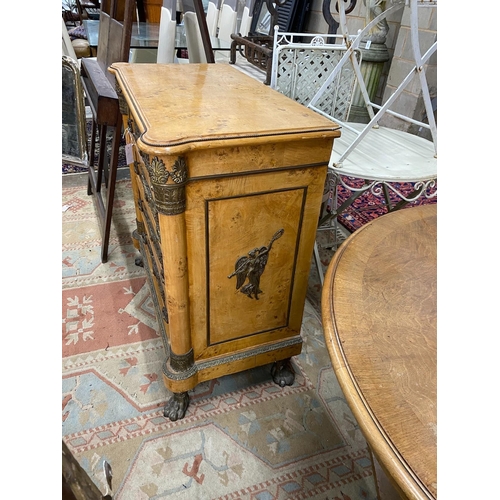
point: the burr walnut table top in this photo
(379, 315)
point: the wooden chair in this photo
(381, 157)
(88, 9)
(115, 28)
(256, 46)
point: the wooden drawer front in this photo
(156, 284)
(142, 176)
(151, 243)
(150, 218)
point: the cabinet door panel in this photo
(252, 253)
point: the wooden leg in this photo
(113, 167)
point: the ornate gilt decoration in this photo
(252, 267)
(140, 226)
(181, 362)
(164, 314)
(170, 198)
(158, 171)
(148, 195)
(179, 171)
(136, 167)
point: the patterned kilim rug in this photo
(369, 206)
(242, 436)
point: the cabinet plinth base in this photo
(201, 371)
(282, 373)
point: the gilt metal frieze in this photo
(250, 267)
(182, 362)
(140, 226)
(168, 185)
(136, 167)
(154, 236)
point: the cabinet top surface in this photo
(182, 104)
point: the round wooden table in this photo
(379, 311)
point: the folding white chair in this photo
(379, 156)
(303, 61)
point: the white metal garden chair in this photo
(380, 156)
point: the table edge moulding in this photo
(228, 178)
(379, 310)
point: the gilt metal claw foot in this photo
(176, 407)
(283, 372)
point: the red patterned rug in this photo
(242, 437)
(368, 206)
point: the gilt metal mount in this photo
(170, 198)
(251, 267)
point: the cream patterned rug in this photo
(243, 437)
